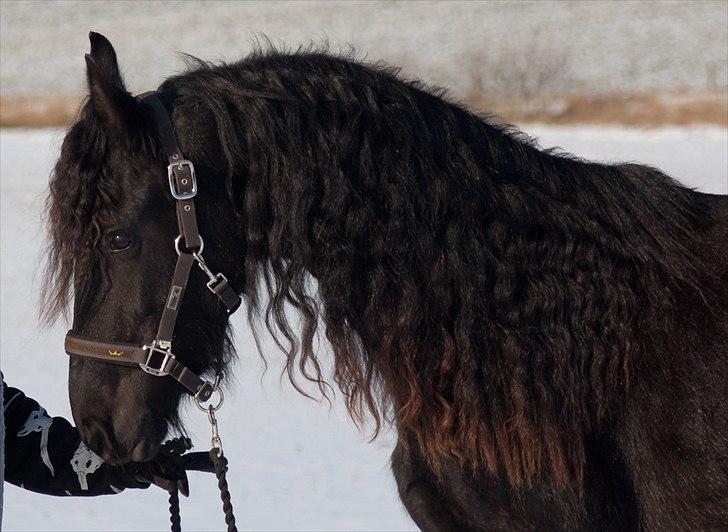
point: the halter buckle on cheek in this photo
(157, 359)
(179, 166)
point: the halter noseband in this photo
(156, 357)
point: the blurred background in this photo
(612, 81)
(641, 62)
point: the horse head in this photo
(113, 227)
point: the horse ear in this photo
(109, 97)
(104, 56)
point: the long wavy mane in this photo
(489, 298)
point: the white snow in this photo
(295, 464)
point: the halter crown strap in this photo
(181, 172)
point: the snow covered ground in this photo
(295, 464)
(593, 46)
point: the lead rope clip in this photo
(215, 442)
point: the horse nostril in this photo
(95, 435)
(120, 445)
(144, 451)
(99, 438)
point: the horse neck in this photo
(451, 258)
(629, 211)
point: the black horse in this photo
(548, 335)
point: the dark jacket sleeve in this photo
(45, 454)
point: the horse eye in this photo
(120, 242)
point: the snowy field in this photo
(606, 46)
(295, 464)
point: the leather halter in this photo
(156, 357)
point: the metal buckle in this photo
(173, 187)
(154, 351)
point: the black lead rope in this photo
(221, 467)
(176, 446)
(174, 516)
(179, 446)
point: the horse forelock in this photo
(79, 195)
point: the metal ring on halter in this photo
(177, 241)
(210, 407)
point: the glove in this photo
(168, 469)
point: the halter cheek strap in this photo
(156, 358)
